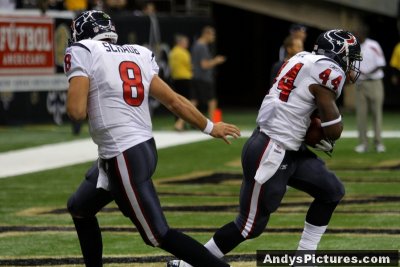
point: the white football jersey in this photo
(285, 111)
(120, 77)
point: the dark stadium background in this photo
(249, 40)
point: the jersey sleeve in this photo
(77, 61)
(154, 66)
(148, 56)
(327, 73)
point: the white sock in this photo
(212, 247)
(184, 264)
(311, 236)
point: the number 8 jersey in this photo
(285, 111)
(120, 78)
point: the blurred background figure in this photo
(149, 9)
(292, 46)
(7, 5)
(395, 64)
(180, 64)
(297, 31)
(155, 33)
(203, 84)
(395, 57)
(370, 91)
(76, 6)
(113, 7)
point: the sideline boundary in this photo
(58, 155)
(63, 154)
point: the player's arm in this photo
(184, 109)
(78, 91)
(328, 111)
(212, 62)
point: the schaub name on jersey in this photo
(119, 90)
(120, 49)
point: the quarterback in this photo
(111, 84)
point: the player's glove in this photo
(326, 146)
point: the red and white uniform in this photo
(120, 78)
(120, 124)
(274, 156)
(285, 112)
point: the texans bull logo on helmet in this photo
(95, 25)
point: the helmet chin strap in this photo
(72, 39)
(74, 36)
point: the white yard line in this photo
(74, 152)
(385, 134)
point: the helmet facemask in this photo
(352, 60)
(353, 71)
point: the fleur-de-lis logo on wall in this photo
(56, 101)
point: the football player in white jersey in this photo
(111, 84)
(275, 155)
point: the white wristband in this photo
(209, 127)
(329, 123)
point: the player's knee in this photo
(271, 208)
(155, 239)
(150, 243)
(337, 190)
(258, 228)
(71, 205)
(274, 200)
(73, 208)
(256, 232)
(341, 191)
(252, 230)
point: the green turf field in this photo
(198, 185)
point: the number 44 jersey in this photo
(285, 111)
(120, 78)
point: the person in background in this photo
(115, 6)
(111, 85)
(275, 155)
(180, 64)
(395, 64)
(292, 46)
(370, 92)
(203, 84)
(395, 57)
(8, 5)
(297, 31)
(76, 6)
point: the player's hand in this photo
(219, 59)
(326, 146)
(223, 130)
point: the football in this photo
(314, 132)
